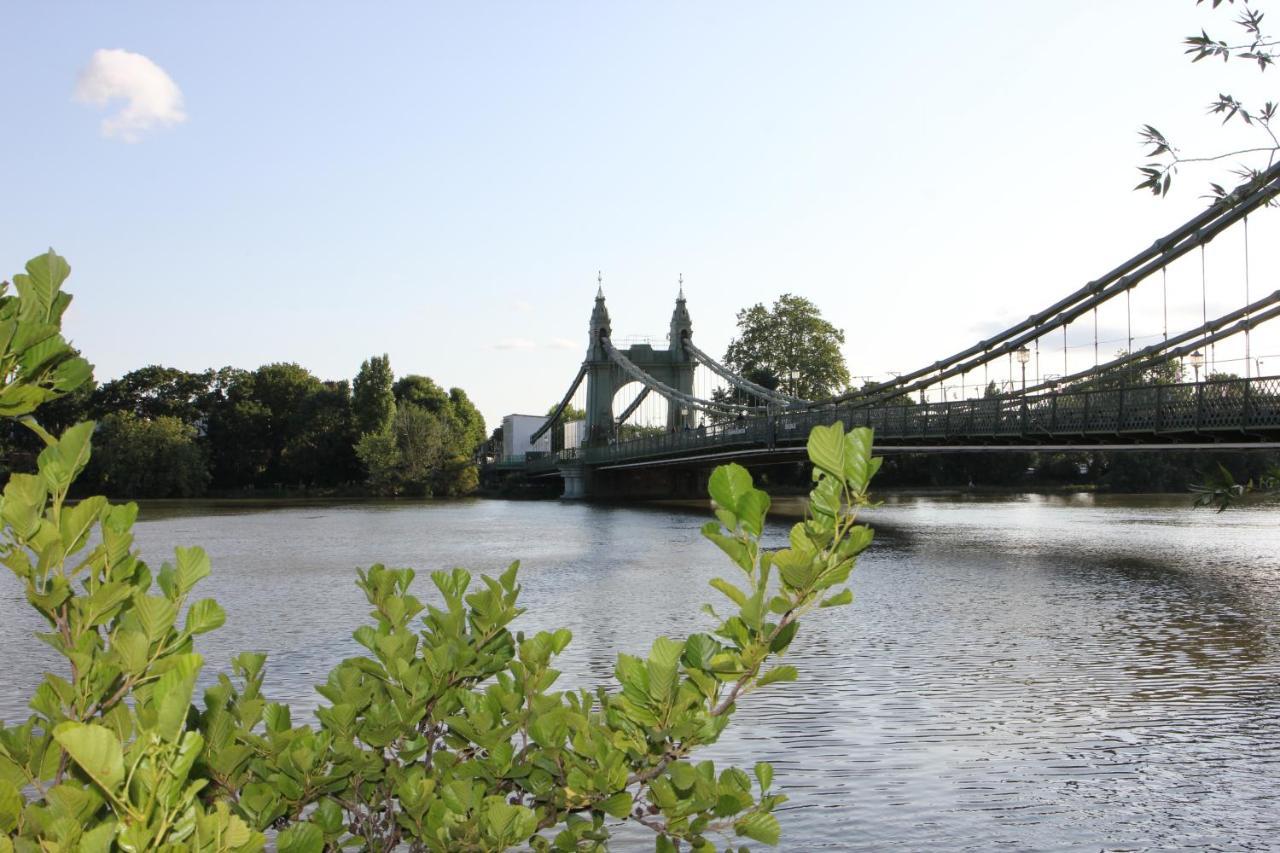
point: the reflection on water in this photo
(1038, 673)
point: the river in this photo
(1022, 672)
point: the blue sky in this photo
(441, 182)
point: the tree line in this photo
(167, 433)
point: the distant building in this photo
(575, 433)
(516, 430)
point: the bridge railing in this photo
(1218, 407)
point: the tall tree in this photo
(789, 347)
(405, 456)
(466, 423)
(373, 399)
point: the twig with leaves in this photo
(1164, 158)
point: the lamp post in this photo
(1197, 361)
(1024, 355)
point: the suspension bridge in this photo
(668, 411)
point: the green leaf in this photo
(728, 485)
(683, 775)
(664, 658)
(193, 566)
(618, 805)
(301, 838)
(735, 548)
(796, 567)
(784, 638)
(277, 717)
(77, 521)
(845, 596)
(96, 750)
(10, 806)
(38, 289)
(74, 446)
(173, 695)
(760, 826)
(752, 507)
(98, 839)
(764, 774)
(131, 648)
(736, 595)
(786, 672)
(825, 499)
(155, 614)
(827, 449)
(204, 616)
(699, 649)
(857, 468)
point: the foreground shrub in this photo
(445, 735)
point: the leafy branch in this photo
(1164, 158)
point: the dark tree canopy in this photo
(155, 391)
(420, 391)
(789, 346)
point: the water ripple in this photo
(1027, 673)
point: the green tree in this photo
(239, 434)
(407, 455)
(281, 425)
(373, 399)
(789, 347)
(466, 423)
(321, 452)
(421, 391)
(571, 413)
(147, 458)
(155, 391)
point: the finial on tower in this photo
(680, 297)
(599, 285)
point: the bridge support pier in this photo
(575, 482)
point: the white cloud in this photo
(151, 97)
(563, 343)
(515, 343)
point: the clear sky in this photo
(441, 182)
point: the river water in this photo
(1028, 673)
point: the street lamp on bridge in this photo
(1024, 355)
(1197, 361)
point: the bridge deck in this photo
(1234, 412)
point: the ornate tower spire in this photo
(600, 324)
(681, 324)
